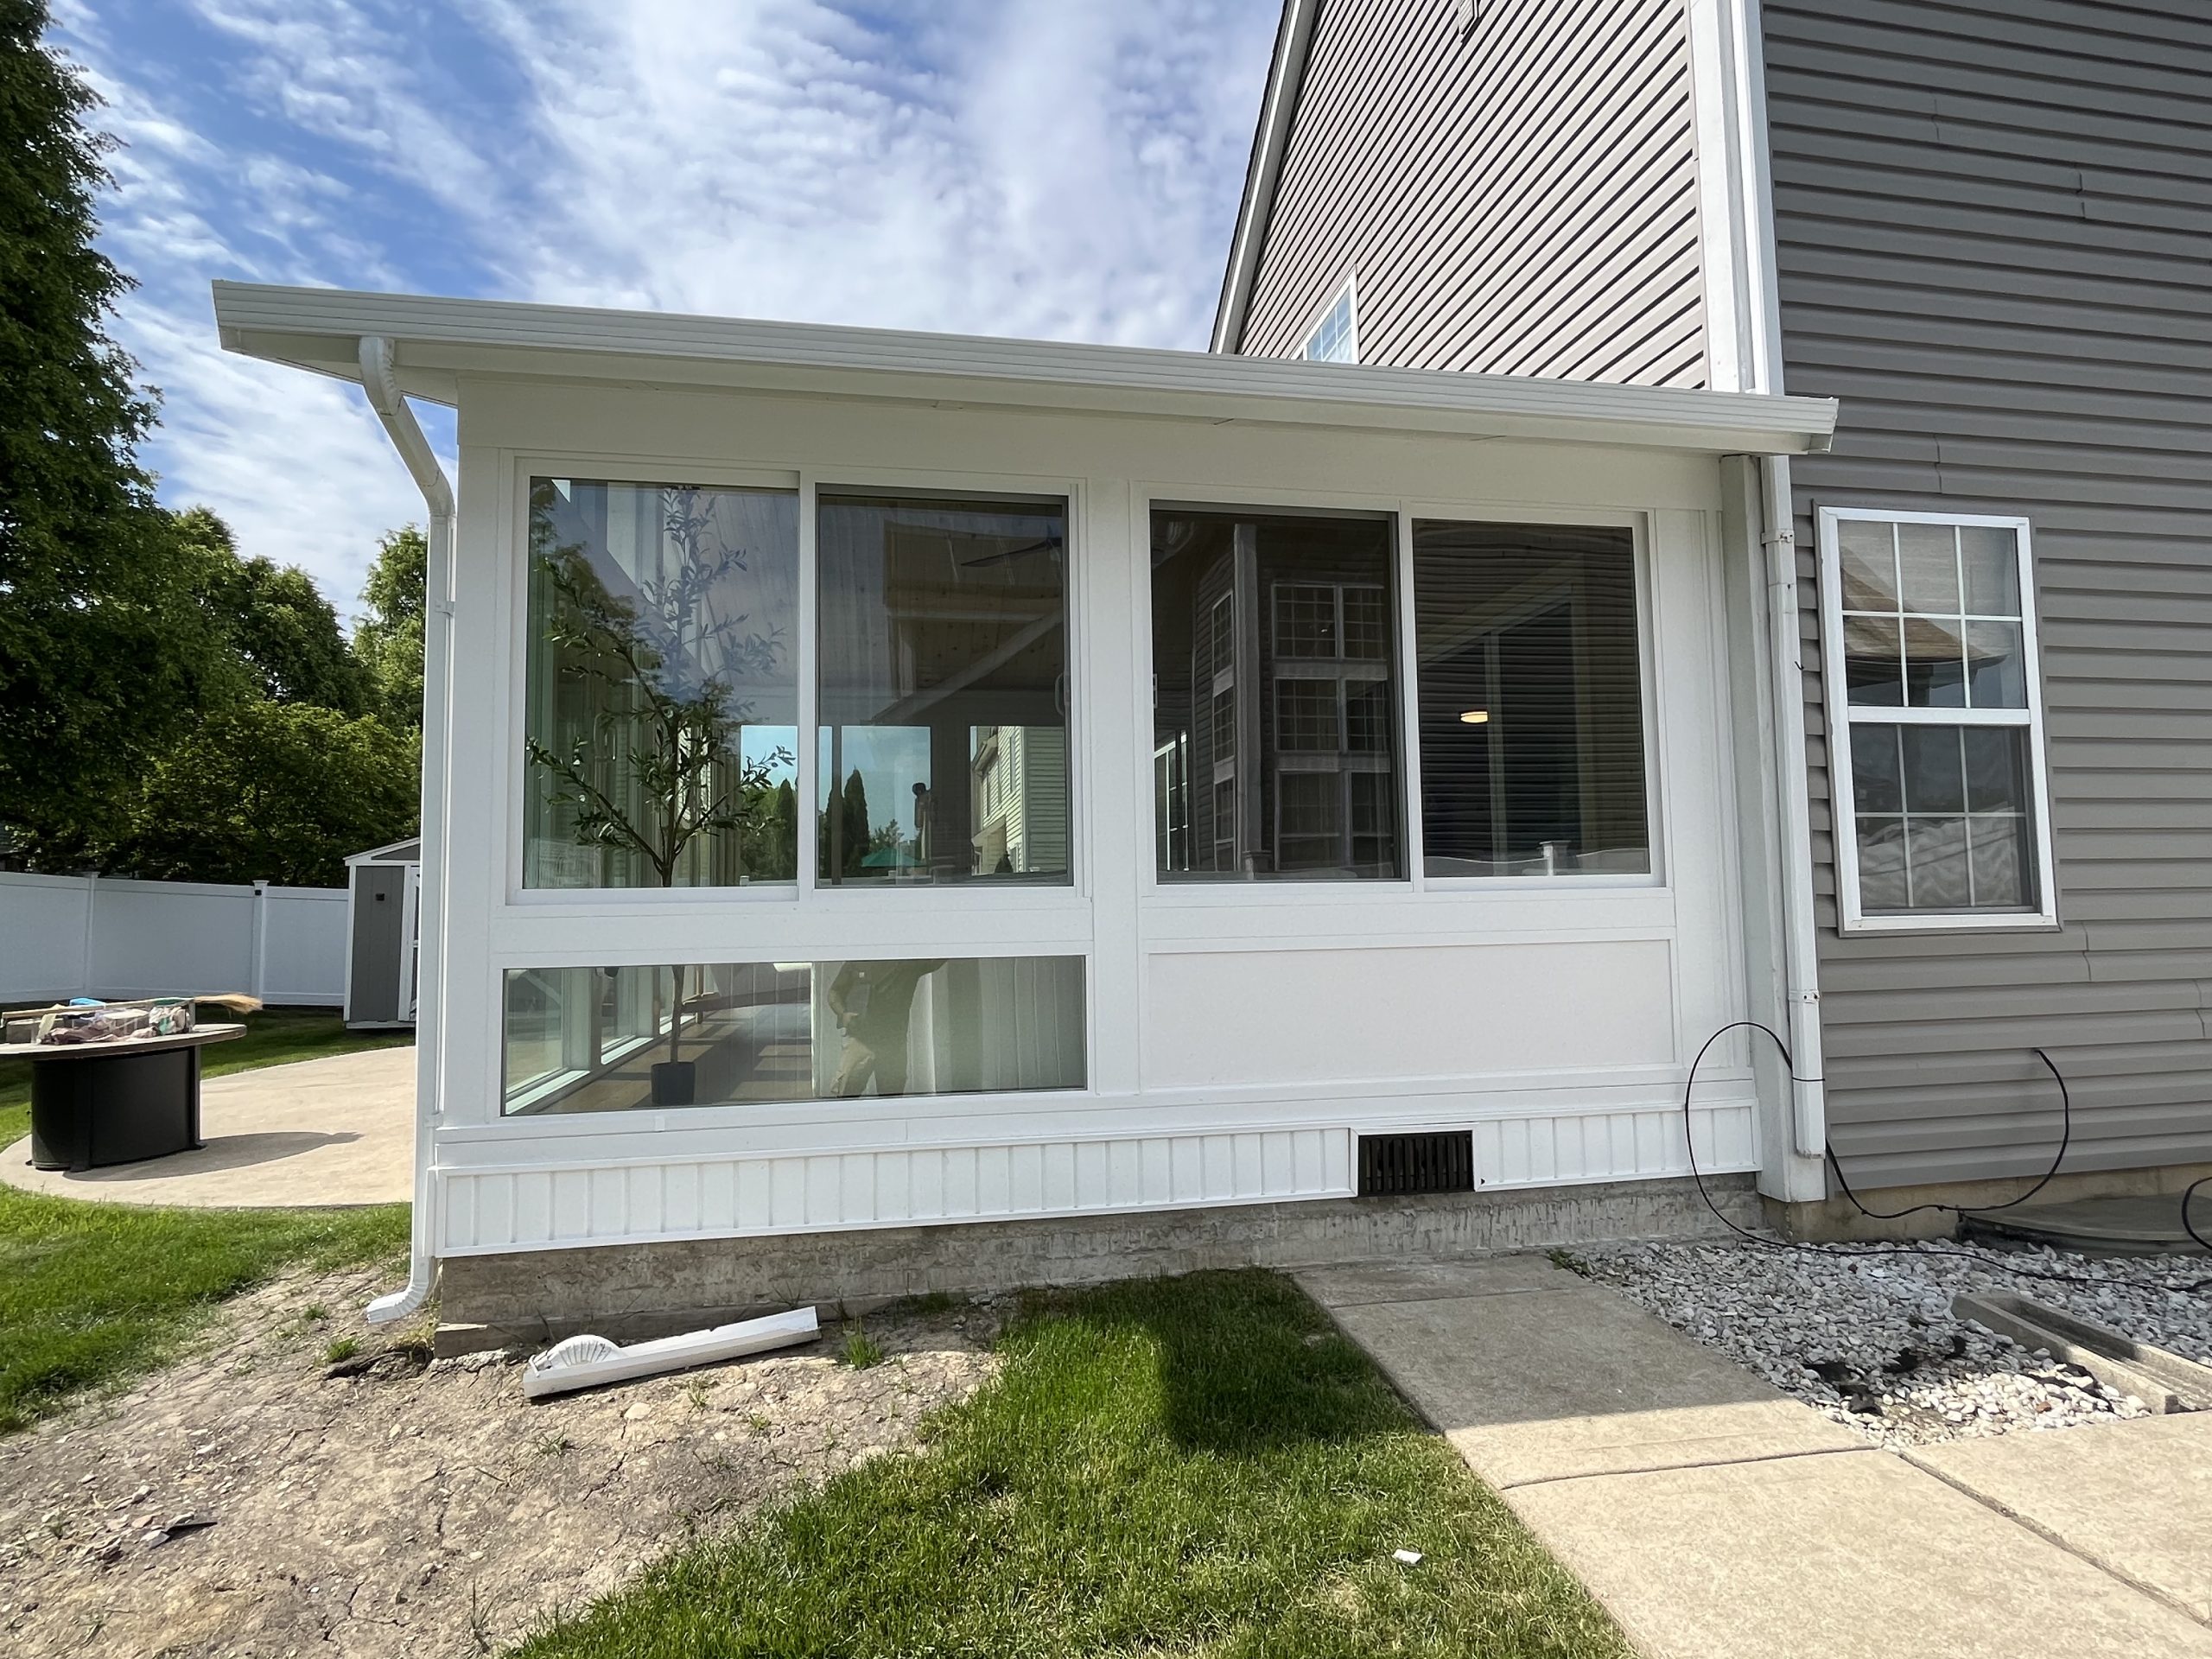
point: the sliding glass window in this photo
(661, 704)
(1530, 694)
(604, 1040)
(943, 734)
(1274, 734)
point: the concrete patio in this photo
(315, 1133)
(1714, 1516)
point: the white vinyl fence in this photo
(100, 936)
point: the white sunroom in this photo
(882, 780)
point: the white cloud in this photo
(1014, 166)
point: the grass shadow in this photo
(1162, 1466)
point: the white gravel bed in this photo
(1870, 1341)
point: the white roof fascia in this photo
(1270, 140)
(438, 340)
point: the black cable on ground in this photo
(2187, 1193)
(2066, 1137)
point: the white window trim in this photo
(1347, 293)
(1842, 714)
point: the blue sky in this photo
(1049, 167)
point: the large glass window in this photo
(1275, 735)
(593, 1039)
(660, 720)
(1530, 694)
(944, 737)
(1940, 717)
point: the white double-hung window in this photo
(1934, 701)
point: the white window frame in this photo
(1347, 295)
(1843, 714)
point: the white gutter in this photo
(378, 380)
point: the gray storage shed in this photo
(384, 884)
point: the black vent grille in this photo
(1392, 1164)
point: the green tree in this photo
(282, 633)
(388, 642)
(93, 664)
(271, 791)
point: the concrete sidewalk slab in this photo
(1423, 1282)
(1716, 1517)
(1567, 1379)
(334, 1131)
(2134, 1497)
(1854, 1556)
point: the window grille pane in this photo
(1530, 685)
(661, 686)
(943, 652)
(1997, 665)
(1366, 624)
(1935, 771)
(1367, 716)
(1877, 779)
(590, 1039)
(1873, 660)
(1309, 597)
(1993, 570)
(1996, 768)
(2002, 862)
(1305, 717)
(1935, 662)
(1881, 865)
(1305, 620)
(1869, 555)
(1928, 557)
(1935, 853)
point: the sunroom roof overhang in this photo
(437, 342)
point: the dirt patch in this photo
(412, 1509)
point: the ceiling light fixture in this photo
(1475, 717)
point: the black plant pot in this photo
(675, 1083)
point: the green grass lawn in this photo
(94, 1295)
(1176, 1466)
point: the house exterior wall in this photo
(1518, 198)
(1241, 1035)
(1994, 220)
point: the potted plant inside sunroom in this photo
(659, 773)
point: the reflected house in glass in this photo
(905, 790)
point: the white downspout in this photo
(1800, 940)
(382, 386)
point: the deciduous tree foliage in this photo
(271, 619)
(273, 792)
(168, 708)
(388, 641)
(91, 665)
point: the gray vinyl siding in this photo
(1995, 229)
(1523, 201)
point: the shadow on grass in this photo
(1162, 1465)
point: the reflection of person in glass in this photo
(873, 1002)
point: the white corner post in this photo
(380, 380)
(1743, 330)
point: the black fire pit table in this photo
(118, 1102)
